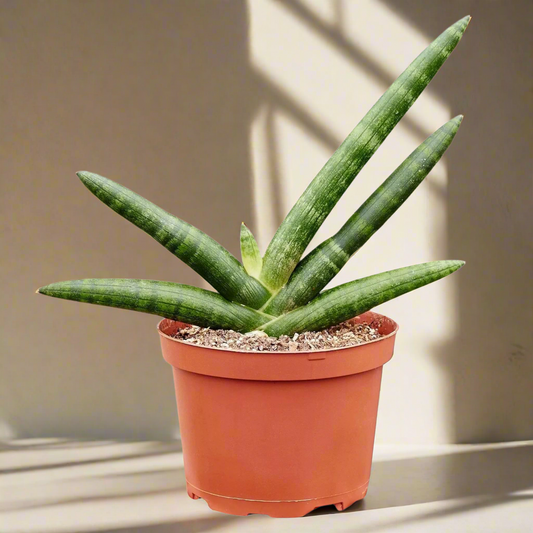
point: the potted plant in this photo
(268, 427)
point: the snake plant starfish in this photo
(280, 293)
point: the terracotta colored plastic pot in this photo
(278, 433)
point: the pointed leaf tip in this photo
(453, 264)
(464, 21)
(43, 290)
(84, 176)
(461, 25)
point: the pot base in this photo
(275, 509)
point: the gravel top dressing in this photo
(341, 336)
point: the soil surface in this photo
(341, 336)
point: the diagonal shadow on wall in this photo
(489, 204)
(489, 199)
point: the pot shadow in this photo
(490, 475)
(190, 526)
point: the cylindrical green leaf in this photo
(315, 204)
(196, 249)
(251, 256)
(170, 300)
(351, 299)
(322, 264)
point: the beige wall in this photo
(222, 112)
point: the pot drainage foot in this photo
(275, 509)
(348, 502)
(191, 494)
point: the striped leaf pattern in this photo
(196, 249)
(170, 300)
(315, 204)
(321, 265)
(351, 299)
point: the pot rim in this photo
(371, 314)
(276, 365)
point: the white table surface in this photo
(58, 485)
